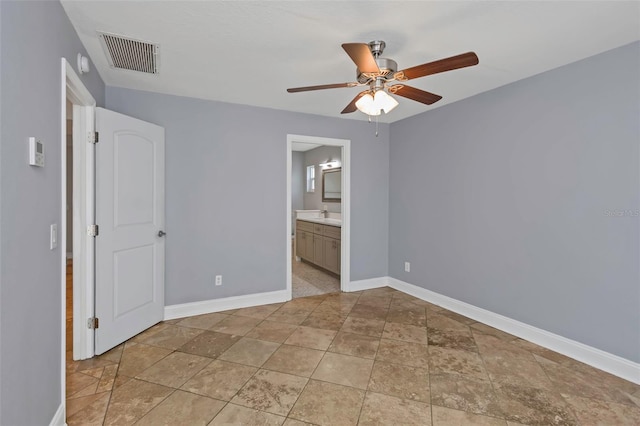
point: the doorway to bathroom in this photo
(318, 215)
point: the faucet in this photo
(324, 213)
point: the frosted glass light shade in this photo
(366, 104)
(383, 101)
(380, 101)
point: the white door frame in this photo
(83, 212)
(345, 274)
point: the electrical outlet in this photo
(218, 279)
(407, 267)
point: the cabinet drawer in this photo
(304, 226)
(317, 229)
(332, 231)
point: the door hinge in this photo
(92, 230)
(93, 137)
(92, 323)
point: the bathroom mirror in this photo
(332, 185)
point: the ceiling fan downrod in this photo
(377, 47)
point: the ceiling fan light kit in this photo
(372, 105)
(377, 72)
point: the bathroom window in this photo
(311, 178)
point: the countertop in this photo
(323, 221)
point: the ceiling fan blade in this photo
(352, 105)
(414, 94)
(360, 53)
(321, 87)
(453, 63)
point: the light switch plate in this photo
(53, 242)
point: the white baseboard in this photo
(58, 418)
(368, 284)
(594, 357)
(217, 305)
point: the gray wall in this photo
(321, 154)
(297, 185)
(1, 234)
(33, 38)
(226, 209)
(501, 201)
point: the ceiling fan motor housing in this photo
(388, 67)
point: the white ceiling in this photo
(249, 52)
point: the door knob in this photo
(161, 233)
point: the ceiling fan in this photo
(377, 72)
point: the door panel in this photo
(318, 250)
(129, 213)
(300, 244)
(331, 247)
(133, 180)
(308, 250)
(129, 266)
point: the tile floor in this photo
(377, 357)
(307, 280)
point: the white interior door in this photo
(130, 215)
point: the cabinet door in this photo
(301, 243)
(331, 257)
(308, 242)
(318, 250)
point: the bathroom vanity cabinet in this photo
(319, 244)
